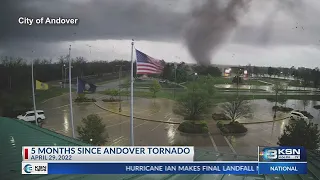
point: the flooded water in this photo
(266, 87)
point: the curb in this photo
(193, 134)
(260, 122)
(151, 120)
(233, 134)
(257, 122)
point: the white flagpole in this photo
(70, 93)
(33, 95)
(131, 105)
(77, 84)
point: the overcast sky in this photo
(269, 33)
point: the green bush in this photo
(111, 100)
(233, 128)
(282, 109)
(193, 127)
(224, 130)
(92, 130)
(203, 123)
(83, 98)
(302, 134)
(219, 124)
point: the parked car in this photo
(294, 115)
(163, 81)
(29, 116)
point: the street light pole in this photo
(238, 77)
(119, 82)
(89, 50)
(33, 94)
(131, 102)
(70, 94)
(62, 78)
(175, 80)
(65, 76)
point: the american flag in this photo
(147, 64)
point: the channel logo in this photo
(282, 154)
(27, 168)
(34, 168)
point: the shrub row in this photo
(193, 127)
(84, 99)
(232, 128)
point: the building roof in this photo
(17, 133)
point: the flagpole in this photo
(33, 95)
(77, 84)
(70, 93)
(131, 105)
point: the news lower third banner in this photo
(165, 168)
(154, 160)
(107, 153)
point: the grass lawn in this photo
(240, 90)
(226, 80)
(219, 97)
(273, 80)
(147, 84)
(147, 94)
(255, 83)
(50, 93)
(297, 83)
(108, 81)
(222, 80)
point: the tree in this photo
(182, 72)
(277, 88)
(300, 133)
(207, 70)
(195, 102)
(92, 130)
(315, 74)
(207, 84)
(256, 71)
(270, 71)
(168, 72)
(155, 87)
(214, 71)
(113, 93)
(305, 103)
(127, 85)
(236, 109)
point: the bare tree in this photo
(236, 109)
(277, 89)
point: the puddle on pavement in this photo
(258, 134)
(154, 106)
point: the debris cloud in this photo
(213, 22)
(210, 25)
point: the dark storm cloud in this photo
(149, 20)
(293, 8)
(99, 19)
